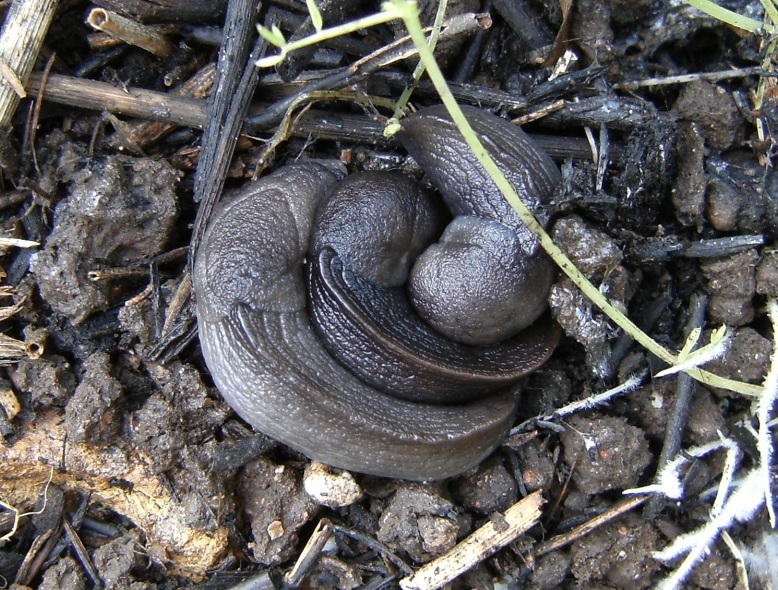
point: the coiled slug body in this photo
(410, 396)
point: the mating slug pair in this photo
(330, 323)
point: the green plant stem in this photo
(412, 24)
(771, 9)
(418, 72)
(731, 18)
(761, 88)
(386, 15)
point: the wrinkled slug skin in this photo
(487, 307)
(433, 140)
(271, 368)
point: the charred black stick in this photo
(679, 412)
(236, 80)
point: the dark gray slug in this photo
(299, 270)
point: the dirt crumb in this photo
(746, 359)
(173, 415)
(48, 380)
(608, 453)
(175, 426)
(577, 316)
(419, 523)
(717, 572)
(537, 465)
(618, 553)
(119, 210)
(114, 561)
(490, 489)
(66, 573)
(599, 258)
(767, 275)
(705, 418)
(277, 507)
(688, 193)
(715, 112)
(731, 284)
(648, 407)
(592, 30)
(93, 414)
(593, 252)
(741, 195)
(551, 570)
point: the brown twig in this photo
(184, 11)
(310, 553)
(23, 574)
(455, 28)
(146, 133)
(566, 538)
(137, 102)
(192, 112)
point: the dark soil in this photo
(166, 487)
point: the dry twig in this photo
(481, 544)
(566, 538)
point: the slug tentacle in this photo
(267, 322)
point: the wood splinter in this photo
(481, 544)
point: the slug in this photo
(329, 323)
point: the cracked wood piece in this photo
(180, 548)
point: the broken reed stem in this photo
(483, 543)
(21, 39)
(130, 31)
(101, 96)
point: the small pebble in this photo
(330, 489)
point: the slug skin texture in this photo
(262, 348)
